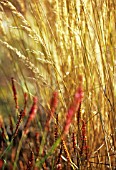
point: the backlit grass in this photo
(58, 46)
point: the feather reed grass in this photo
(45, 47)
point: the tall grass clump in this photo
(57, 77)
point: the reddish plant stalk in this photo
(32, 114)
(79, 115)
(56, 128)
(78, 122)
(18, 124)
(73, 108)
(53, 106)
(83, 130)
(54, 103)
(14, 93)
(25, 99)
(56, 132)
(74, 142)
(84, 146)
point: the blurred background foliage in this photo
(46, 45)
